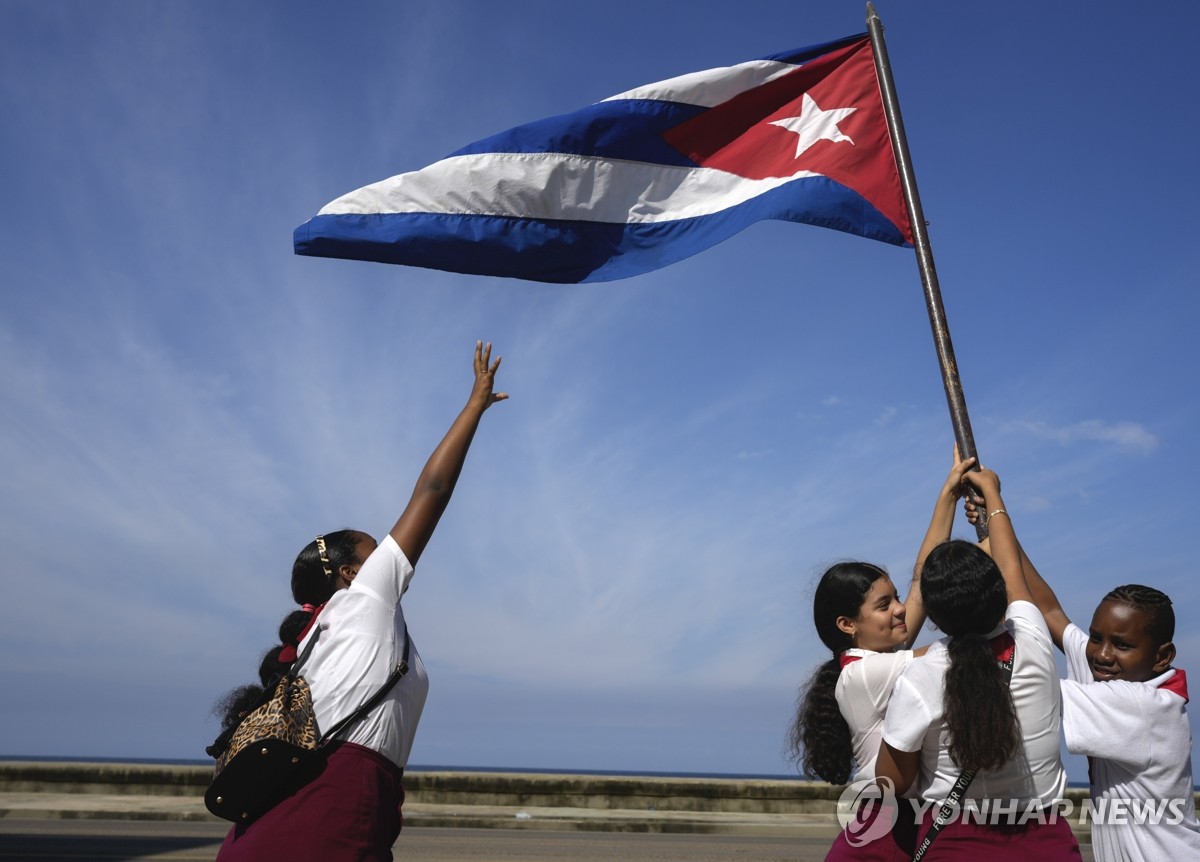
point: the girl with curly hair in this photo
(350, 588)
(870, 632)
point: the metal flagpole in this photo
(933, 293)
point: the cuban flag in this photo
(643, 179)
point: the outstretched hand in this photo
(485, 377)
(440, 474)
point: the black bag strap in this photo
(964, 779)
(300, 659)
(400, 670)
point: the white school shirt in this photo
(1140, 744)
(915, 720)
(361, 641)
(862, 691)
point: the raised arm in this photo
(1001, 536)
(440, 474)
(1043, 596)
(940, 525)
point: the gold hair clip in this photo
(324, 559)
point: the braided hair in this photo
(314, 581)
(820, 740)
(1154, 604)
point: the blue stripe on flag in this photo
(568, 252)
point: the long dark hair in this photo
(314, 581)
(965, 597)
(820, 740)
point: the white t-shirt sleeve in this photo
(1075, 642)
(1030, 618)
(385, 574)
(908, 717)
(1106, 719)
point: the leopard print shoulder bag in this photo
(277, 747)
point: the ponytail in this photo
(965, 597)
(980, 717)
(234, 705)
(820, 738)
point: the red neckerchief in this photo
(844, 660)
(1177, 684)
(287, 655)
(1003, 646)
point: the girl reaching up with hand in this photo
(351, 636)
(974, 725)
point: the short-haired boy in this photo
(1124, 706)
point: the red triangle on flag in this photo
(742, 136)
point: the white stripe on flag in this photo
(712, 86)
(557, 186)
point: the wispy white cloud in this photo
(1125, 435)
(886, 415)
(747, 455)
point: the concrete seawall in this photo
(81, 790)
(87, 790)
(454, 787)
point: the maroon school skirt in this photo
(349, 812)
(861, 841)
(1048, 842)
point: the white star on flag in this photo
(814, 125)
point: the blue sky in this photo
(624, 578)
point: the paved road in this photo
(111, 840)
(51, 840)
